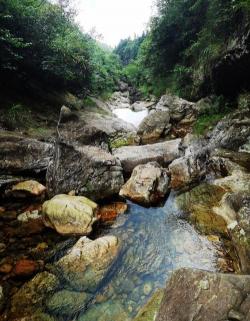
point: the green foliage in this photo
(17, 116)
(128, 49)
(185, 40)
(41, 44)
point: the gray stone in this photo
(199, 295)
(163, 153)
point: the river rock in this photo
(147, 185)
(67, 302)
(108, 311)
(87, 262)
(32, 294)
(87, 170)
(142, 105)
(69, 214)
(119, 100)
(200, 204)
(155, 125)
(24, 268)
(109, 212)
(149, 311)
(22, 155)
(28, 188)
(200, 295)
(163, 153)
(178, 107)
(28, 216)
(232, 132)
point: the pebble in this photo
(2, 247)
(25, 268)
(6, 268)
(27, 216)
(147, 288)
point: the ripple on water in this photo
(154, 242)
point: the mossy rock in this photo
(150, 309)
(67, 302)
(199, 203)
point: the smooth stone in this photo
(86, 264)
(163, 153)
(28, 188)
(24, 268)
(69, 214)
(147, 185)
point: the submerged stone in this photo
(87, 262)
(67, 302)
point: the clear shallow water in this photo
(154, 242)
(131, 116)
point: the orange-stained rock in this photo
(110, 212)
(25, 268)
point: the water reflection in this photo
(130, 116)
(154, 241)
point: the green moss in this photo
(119, 142)
(88, 102)
(205, 123)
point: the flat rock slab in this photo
(204, 296)
(163, 153)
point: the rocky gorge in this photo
(96, 219)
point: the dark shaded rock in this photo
(87, 170)
(21, 155)
(199, 295)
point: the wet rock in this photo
(239, 181)
(33, 294)
(27, 216)
(163, 153)
(107, 213)
(108, 311)
(147, 185)
(119, 100)
(38, 315)
(2, 298)
(149, 310)
(240, 158)
(19, 154)
(200, 204)
(2, 247)
(87, 262)
(154, 126)
(24, 268)
(28, 188)
(88, 170)
(69, 214)
(218, 294)
(67, 302)
(29, 228)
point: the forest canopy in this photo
(41, 43)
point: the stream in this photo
(153, 242)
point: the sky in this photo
(114, 19)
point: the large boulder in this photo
(147, 185)
(22, 155)
(200, 203)
(87, 170)
(232, 132)
(179, 109)
(102, 130)
(163, 153)
(200, 295)
(33, 294)
(69, 214)
(86, 264)
(155, 125)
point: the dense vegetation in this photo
(128, 49)
(41, 46)
(186, 39)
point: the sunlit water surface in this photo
(154, 242)
(131, 116)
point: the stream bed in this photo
(153, 243)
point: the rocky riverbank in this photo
(62, 245)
